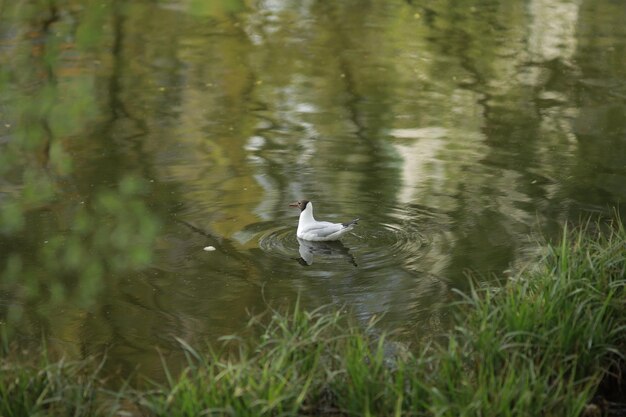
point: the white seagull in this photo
(311, 229)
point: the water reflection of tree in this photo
(63, 234)
(99, 223)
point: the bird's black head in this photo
(300, 204)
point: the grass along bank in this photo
(541, 345)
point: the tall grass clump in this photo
(293, 368)
(541, 344)
(40, 387)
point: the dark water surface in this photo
(458, 133)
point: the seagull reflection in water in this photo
(333, 250)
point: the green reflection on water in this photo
(60, 246)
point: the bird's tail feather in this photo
(352, 223)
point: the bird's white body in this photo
(313, 230)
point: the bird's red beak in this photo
(295, 204)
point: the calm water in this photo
(458, 134)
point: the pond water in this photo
(460, 135)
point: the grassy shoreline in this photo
(544, 344)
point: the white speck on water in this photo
(209, 248)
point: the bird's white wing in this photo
(323, 228)
(320, 230)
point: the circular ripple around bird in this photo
(280, 241)
(387, 244)
(390, 244)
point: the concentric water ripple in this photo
(391, 244)
(372, 244)
(279, 241)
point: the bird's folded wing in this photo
(323, 228)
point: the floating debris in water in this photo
(209, 248)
